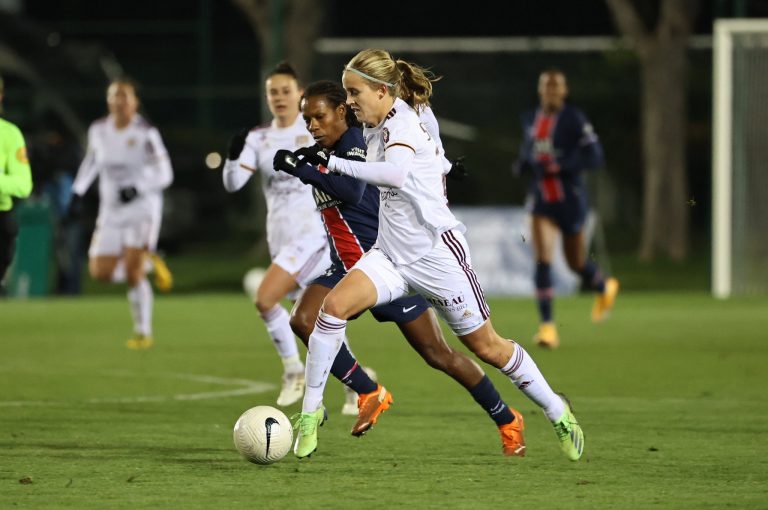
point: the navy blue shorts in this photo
(398, 311)
(569, 215)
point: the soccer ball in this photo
(252, 280)
(263, 435)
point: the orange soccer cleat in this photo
(512, 440)
(370, 406)
(604, 301)
(547, 336)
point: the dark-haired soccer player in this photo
(559, 144)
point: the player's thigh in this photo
(402, 310)
(372, 281)
(575, 252)
(104, 252)
(387, 281)
(134, 259)
(446, 279)
(425, 336)
(304, 259)
(101, 267)
(276, 284)
(544, 235)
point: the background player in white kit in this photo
(420, 246)
(295, 233)
(127, 154)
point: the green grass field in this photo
(671, 393)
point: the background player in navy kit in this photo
(349, 208)
(558, 145)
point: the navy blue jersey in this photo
(566, 140)
(350, 212)
(349, 207)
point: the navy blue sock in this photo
(488, 397)
(544, 291)
(591, 277)
(346, 369)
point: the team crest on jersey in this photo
(385, 135)
(302, 140)
(21, 155)
(131, 142)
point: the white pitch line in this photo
(248, 387)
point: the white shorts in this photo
(113, 239)
(444, 277)
(305, 261)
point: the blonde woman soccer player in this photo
(420, 246)
(350, 211)
(295, 233)
(127, 154)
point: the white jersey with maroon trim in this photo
(427, 117)
(291, 209)
(133, 156)
(412, 217)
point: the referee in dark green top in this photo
(15, 181)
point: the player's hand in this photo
(128, 194)
(286, 161)
(236, 144)
(458, 171)
(314, 155)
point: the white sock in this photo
(324, 344)
(349, 347)
(529, 379)
(292, 364)
(141, 298)
(278, 325)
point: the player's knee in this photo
(335, 307)
(264, 303)
(302, 325)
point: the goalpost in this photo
(740, 158)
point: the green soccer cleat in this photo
(306, 425)
(569, 433)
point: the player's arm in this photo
(158, 159)
(240, 164)
(390, 173)
(88, 169)
(341, 187)
(524, 162)
(17, 182)
(587, 154)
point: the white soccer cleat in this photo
(350, 397)
(350, 402)
(292, 390)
